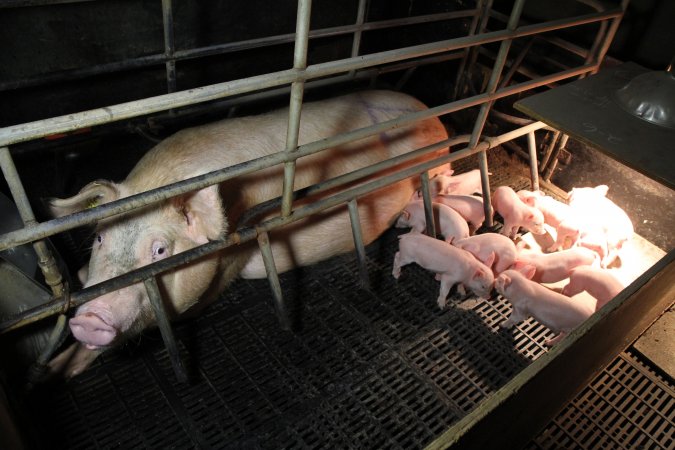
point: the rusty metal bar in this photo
(480, 19)
(428, 207)
(165, 328)
(553, 162)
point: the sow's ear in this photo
(203, 211)
(94, 194)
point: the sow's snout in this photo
(92, 329)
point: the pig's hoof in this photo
(442, 303)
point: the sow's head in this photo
(129, 241)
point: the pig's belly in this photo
(329, 233)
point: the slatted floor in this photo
(370, 368)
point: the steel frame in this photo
(296, 77)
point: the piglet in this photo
(553, 267)
(556, 214)
(489, 246)
(452, 265)
(450, 223)
(463, 184)
(592, 205)
(468, 206)
(516, 213)
(601, 284)
(528, 298)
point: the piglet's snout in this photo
(92, 330)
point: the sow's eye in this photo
(160, 250)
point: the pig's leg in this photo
(551, 342)
(571, 289)
(72, 361)
(396, 272)
(446, 283)
(517, 316)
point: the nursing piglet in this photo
(463, 184)
(553, 267)
(516, 213)
(556, 214)
(529, 298)
(450, 223)
(127, 242)
(601, 284)
(451, 265)
(490, 247)
(468, 206)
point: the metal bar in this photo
(165, 328)
(554, 157)
(534, 172)
(602, 51)
(32, 130)
(273, 277)
(485, 109)
(54, 226)
(360, 248)
(169, 45)
(297, 90)
(549, 151)
(481, 11)
(516, 63)
(248, 233)
(230, 47)
(428, 207)
(471, 53)
(360, 19)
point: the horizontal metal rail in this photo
(32, 130)
(246, 234)
(230, 47)
(60, 224)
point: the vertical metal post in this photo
(547, 156)
(165, 328)
(169, 45)
(297, 89)
(360, 19)
(273, 277)
(553, 162)
(428, 208)
(602, 51)
(46, 262)
(482, 12)
(358, 242)
(485, 109)
(534, 171)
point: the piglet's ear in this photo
(94, 194)
(526, 269)
(479, 273)
(203, 213)
(602, 189)
(490, 259)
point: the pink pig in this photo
(601, 284)
(489, 246)
(528, 298)
(451, 224)
(597, 211)
(553, 267)
(516, 213)
(452, 265)
(463, 184)
(556, 214)
(468, 206)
